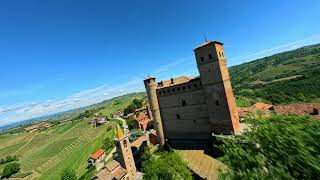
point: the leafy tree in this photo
(9, 159)
(166, 165)
(280, 147)
(10, 169)
(68, 174)
(135, 104)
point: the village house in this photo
(117, 114)
(302, 109)
(141, 122)
(112, 171)
(98, 121)
(39, 126)
(153, 138)
(97, 159)
(261, 108)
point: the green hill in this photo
(281, 78)
(68, 144)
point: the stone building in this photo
(188, 110)
(125, 156)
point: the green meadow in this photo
(66, 145)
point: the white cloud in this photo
(283, 47)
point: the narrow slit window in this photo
(202, 59)
(210, 56)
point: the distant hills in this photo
(281, 78)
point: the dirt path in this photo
(26, 143)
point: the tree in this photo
(68, 174)
(280, 147)
(166, 165)
(10, 169)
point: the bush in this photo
(68, 174)
(9, 159)
(281, 147)
(166, 165)
(10, 169)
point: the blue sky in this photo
(57, 55)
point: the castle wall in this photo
(184, 113)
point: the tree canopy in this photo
(279, 147)
(165, 165)
(68, 174)
(10, 169)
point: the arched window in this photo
(217, 103)
(210, 56)
(202, 59)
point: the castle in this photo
(188, 110)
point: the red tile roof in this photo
(141, 117)
(263, 106)
(97, 154)
(299, 109)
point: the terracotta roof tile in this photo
(97, 154)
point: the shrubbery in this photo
(9, 159)
(165, 165)
(68, 174)
(281, 147)
(10, 169)
(136, 104)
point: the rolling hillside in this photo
(281, 78)
(68, 144)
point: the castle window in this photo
(183, 87)
(209, 69)
(217, 103)
(184, 103)
(210, 56)
(202, 59)
(125, 143)
(160, 92)
(164, 92)
(168, 91)
(195, 85)
(194, 121)
(189, 87)
(178, 89)
(173, 90)
(222, 54)
(178, 116)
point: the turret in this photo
(215, 79)
(151, 87)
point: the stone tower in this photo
(217, 88)
(125, 156)
(151, 86)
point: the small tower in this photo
(125, 156)
(151, 86)
(215, 79)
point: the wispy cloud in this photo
(280, 48)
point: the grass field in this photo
(67, 145)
